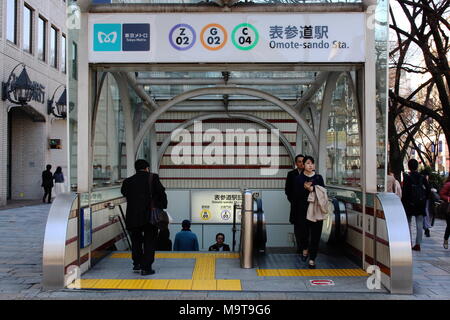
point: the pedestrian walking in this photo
(58, 176)
(185, 240)
(393, 185)
(444, 193)
(145, 194)
(415, 194)
(289, 190)
(310, 231)
(428, 207)
(47, 183)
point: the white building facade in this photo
(32, 33)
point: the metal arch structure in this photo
(226, 90)
(331, 82)
(264, 123)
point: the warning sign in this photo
(321, 282)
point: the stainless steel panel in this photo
(399, 243)
(55, 241)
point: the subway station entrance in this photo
(219, 98)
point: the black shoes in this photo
(427, 233)
(137, 268)
(147, 272)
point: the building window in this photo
(11, 21)
(27, 29)
(63, 54)
(53, 47)
(74, 61)
(42, 38)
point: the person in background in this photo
(392, 184)
(309, 231)
(219, 245)
(185, 240)
(289, 190)
(163, 243)
(414, 196)
(428, 207)
(47, 183)
(444, 193)
(58, 176)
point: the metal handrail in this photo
(54, 250)
(400, 254)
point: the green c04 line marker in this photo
(244, 38)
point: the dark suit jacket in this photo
(289, 189)
(137, 191)
(215, 247)
(47, 179)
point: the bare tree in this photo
(425, 39)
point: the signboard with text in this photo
(231, 37)
(214, 206)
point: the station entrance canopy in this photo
(230, 38)
(315, 73)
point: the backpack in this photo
(418, 195)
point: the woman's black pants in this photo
(447, 230)
(309, 236)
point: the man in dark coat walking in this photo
(47, 183)
(141, 197)
(416, 191)
(290, 193)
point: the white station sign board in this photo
(215, 206)
(226, 38)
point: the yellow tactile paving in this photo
(229, 285)
(311, 273)
(83, 283)
(204, 285)
(107, 284)
(156, 284)
(179, 285)
(205, 269)
(131, 284)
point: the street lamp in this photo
(60, 108)
(18, 90)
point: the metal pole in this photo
(247, 231)
(234, 225)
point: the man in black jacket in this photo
(47, 183)
(141, 197)
(290, 193)
(416, 191)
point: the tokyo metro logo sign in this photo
(107, 37)
(121, 37)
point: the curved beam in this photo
(262, 122)
(326, 108)
(230, 91)
(124, 94)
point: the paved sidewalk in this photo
(21, 238)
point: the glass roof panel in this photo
(255, 1)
